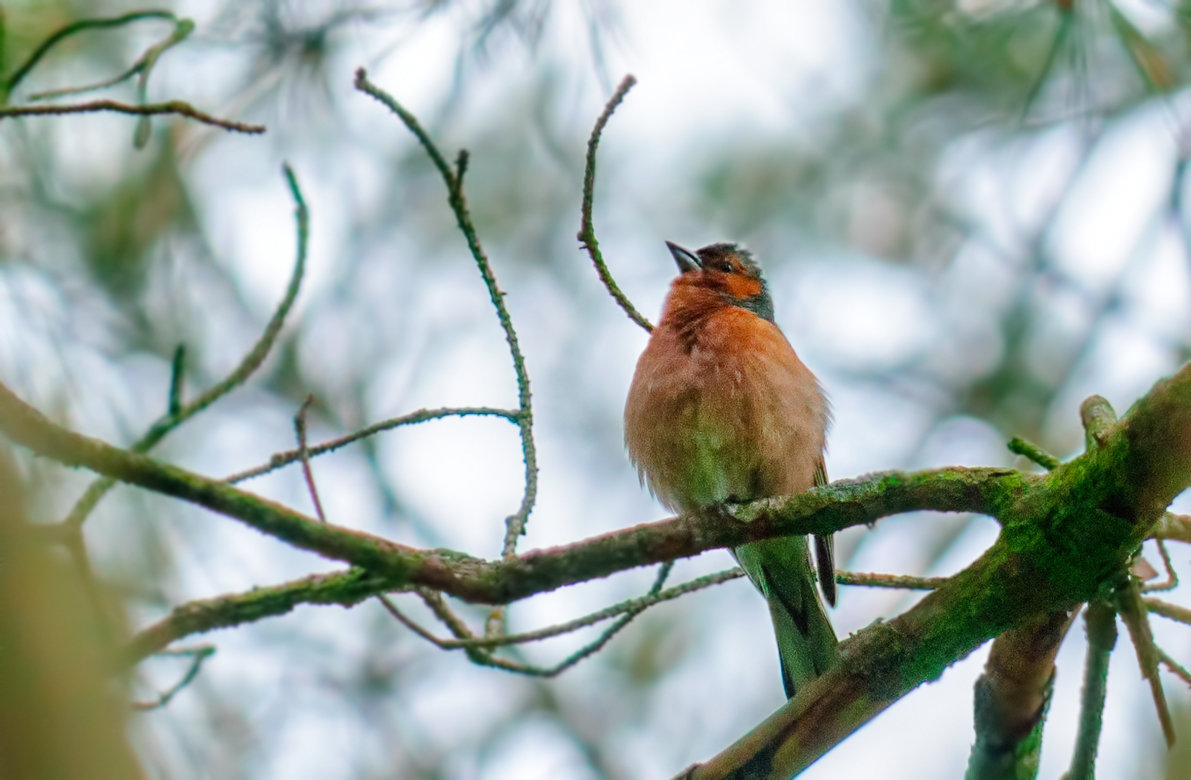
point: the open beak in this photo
(686, 259)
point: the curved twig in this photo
(587, 236)
(178, 413)
(73, 28)
(515, 523)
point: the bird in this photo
(721, 410)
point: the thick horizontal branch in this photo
(1061, 538)
(823, 510)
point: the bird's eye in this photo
(722, 264)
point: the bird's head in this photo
(727, 270)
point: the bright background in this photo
(963, 242)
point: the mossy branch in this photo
(823, 510)
(1064, 535)
(1062, 538)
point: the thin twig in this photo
(143, 65)
(1168, 610)
(1098, 417)
(1174, 666)
(1172, 578)
(62, 92)
(77, 27)
(637, 605)
(351, 586)
(197, 656)
(282, 459)
(1100, 622)
(244, 369)
(479, 649)
(1027, 449)
(1135, 616)
(874, 580)
(515, 523)
(408, 622)
(587, 236)
(604, 638)
(179, 107)
(177, 377)
(1176, 528)
(307, 472)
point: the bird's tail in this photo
(781, 570)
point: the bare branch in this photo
(179, 107)
(1101, 624)
(282, 459)
(873, 580)
(484, 656)
(1176, 528)
(74, 28)
(1027, 449)
(244, 369)
(1174, 666)
(587, 236)
(1172, 578)
(515, 523)
(307, 472)
(197, 656)
(635, 605)
(1168, 610)
(346, 589)
(1133, 613)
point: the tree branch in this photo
(179, 107)
(453, 179)
(823, 510)
(1012, 697)
(1062, 537)
(587, 236)
(282, 459)
(345, 588)
(1101, 623)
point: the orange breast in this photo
(721, 408)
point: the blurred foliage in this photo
(53, 664)
(953, 161)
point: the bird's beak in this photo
(686, 259)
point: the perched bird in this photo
(722, 410)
